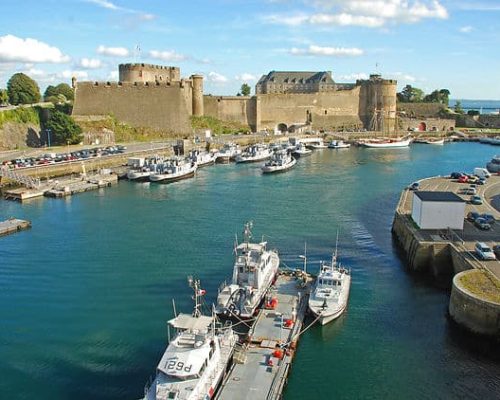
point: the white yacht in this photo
(301, 151)
(280, 161)
(196, 359)
(387, 143)
(254, 153)
(317, 145)
(228, 152)
(330, 294)
(338, 144)
(201, 158)
(254, 272)
(173, 170)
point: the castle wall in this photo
(421, 110)
(241, 109)
(328, 109)
(162, 107)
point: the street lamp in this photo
(48, 135)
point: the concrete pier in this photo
(262, 365)
(446, 253)
(13, 225)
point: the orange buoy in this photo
(277, 353)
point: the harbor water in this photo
(86, 293)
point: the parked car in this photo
(455, 175)
(414, 186)
(484, 252)
(463, 179)
(475, 199)
(490, 219)
(471, 216)
(481, 181)
(496, 250)
(482, 224)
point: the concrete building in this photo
(295, 82)
(438, 210)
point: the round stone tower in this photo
(379, 103)
(197, 95)
(147, 73)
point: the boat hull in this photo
(388, 145)
(277, 169)
(138, 177)
(325, 318)
(240, 160)
(165, 178)
(298, 155)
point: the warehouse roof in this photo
(439, 196)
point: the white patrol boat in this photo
(140, 172)
(227, 153)
(173, 170)
(301, 151)
(201, 158)
(330, 293)
(196, 359)
(254, 153)
(280, 161)
(254, 272)
(338, 144)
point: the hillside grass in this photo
(21, 115)
(217, 126)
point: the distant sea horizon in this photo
(485, 106)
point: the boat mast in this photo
(195, 285)
(304, 257)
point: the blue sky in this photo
(426, 43)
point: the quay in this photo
(449, 255)
(13, 225)
(262, 364)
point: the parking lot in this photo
(490, 195)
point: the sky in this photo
(429, 44)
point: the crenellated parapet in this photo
(148, 73)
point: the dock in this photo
(262, 364)
(13, 225)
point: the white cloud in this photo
(68, 74)
(246, 77)
(168, 55)
(466, 29)
(352, 77)
(14, 49)
(367, 13)
(105, 4)
(215, 77)
(113, 75)
(314, 50)
(89, 63)
(35, 73)
(113, 51)
(401, 76)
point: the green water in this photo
(85, 294)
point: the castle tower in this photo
(148, 73)
(378, 100)
(197, 95)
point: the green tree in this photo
(245, 90)
(410, 94)
(444, 96)
(63, 128)
(22, 89)
(438, 96)
(61, 89)
(4, 96)
(458, 107)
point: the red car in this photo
(463, 179)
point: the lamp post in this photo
(48, 136)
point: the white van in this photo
(481, 172)
(484, 252)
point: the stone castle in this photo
(157, 97)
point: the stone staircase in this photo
(28, 181)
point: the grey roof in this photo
(281, 77)
(439, 196)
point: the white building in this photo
(438, 210)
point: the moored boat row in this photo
(201, 350)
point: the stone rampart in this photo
(426, 124)
(162, 106)
(420, 110)
(231, 108)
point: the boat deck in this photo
(257, 373)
